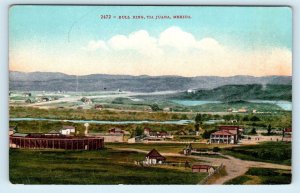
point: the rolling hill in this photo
(54, 81)
(238, 93)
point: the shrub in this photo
(216, 149)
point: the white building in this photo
(153, 157)
(67, 130)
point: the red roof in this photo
(201, 167)
(153, 154)
(147, 129)
(115, 130)
(162, 133)
(223, 132)
(68, 127)
(288, 129)
(229, 127)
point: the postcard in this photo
(188, 95)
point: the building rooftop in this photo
(223, 132)
(20, 135)
(201, 166)
(154, 154)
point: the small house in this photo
(67, 130)
(167, 109)
(86, 100)
(30, 100)
(202, 168)
(188, 149)
(27, 94)
(45, 99)
(12, 130)
(53, 133)
(193, 91)
(242, 110)
(147, 131)
(181, 132)
(98, 107)
(287, 134)
(154, 157)
(115, 130)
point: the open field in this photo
(263, 176)
(273, 152)
(93, 167)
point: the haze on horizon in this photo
(217, 41)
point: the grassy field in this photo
(273, 152)
(46, 126)
(163, 147)
(263, 176)
(93, 167)
(93, 114)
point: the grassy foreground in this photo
(92, 167)
(263, 176)
(273, 152)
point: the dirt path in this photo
(234, 167)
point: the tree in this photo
(269, 129)
(216, 149)
(184, 117)
(254, 118)
(174, 116)
(154, 107)
(253, 131)
(237, 117)
(228, 117)
(139, 131)
(198, 118)
(246, 118)
(197, 126)
(206, 134)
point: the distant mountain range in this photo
(54, 81)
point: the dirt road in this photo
(234, 167)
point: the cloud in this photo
(172, 52)
(95, 45)
(139, 41)
(175, 37)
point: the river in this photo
(177, 122)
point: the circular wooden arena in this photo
(41, 141)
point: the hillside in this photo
(231, 93)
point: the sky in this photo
(214, 41)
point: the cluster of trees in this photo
(205, 117)
(155, 107)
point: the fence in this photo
(216, 171)
(74, 143)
